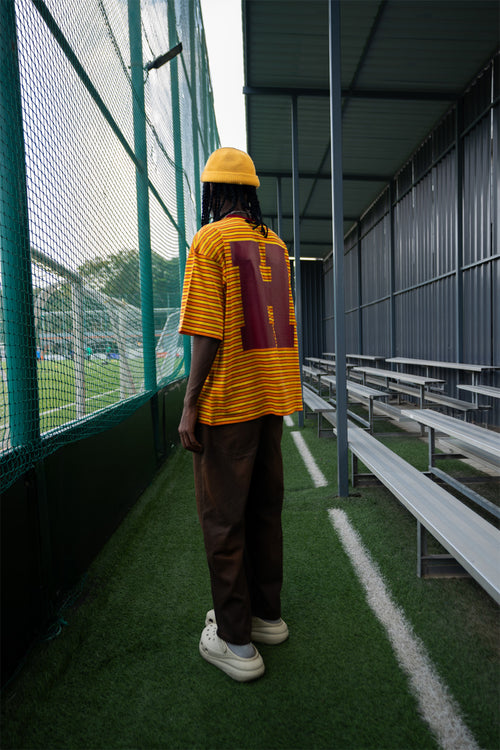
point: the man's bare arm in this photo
(202, 357)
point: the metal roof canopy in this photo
(403, 64)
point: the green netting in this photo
(100, 157)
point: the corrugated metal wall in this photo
(313, 304)
(422, 266)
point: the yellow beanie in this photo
(231, 166)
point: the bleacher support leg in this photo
(354, 468)
(435, 566)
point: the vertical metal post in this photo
(279, 205)
(392, 271)
(124, 370)
(215, 134)
(354, 469)
(179, 177)
(193, 47)
(432, 446)
(421, 548)
(143, 225)
(495, 214)
(78, 348)
(296, 236)
(17, 295)
(205, 104)
(338, 245)
(360, 293)
(459, 297)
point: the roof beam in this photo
(310, 244)
(345, 101)
(364, 54)
(389, 94)
(317, 217)
(348, 176)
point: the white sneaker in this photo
(216, 651)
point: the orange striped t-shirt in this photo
(237, 289)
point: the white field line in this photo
(437, 706)
(87, 398)
(288, 421)
(316, 474)
(69, 406)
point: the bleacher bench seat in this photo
(471, 540)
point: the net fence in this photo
(102, 143)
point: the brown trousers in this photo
(239, 494)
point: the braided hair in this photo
(215, 194)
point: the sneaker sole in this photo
(240, 675)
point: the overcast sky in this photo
(223, 32)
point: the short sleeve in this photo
(202, 306)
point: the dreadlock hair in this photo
(215, 194)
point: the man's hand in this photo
(187, 427)
(202, 357)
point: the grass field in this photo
(57, 390)
(56, 383)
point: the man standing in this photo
(237, 304)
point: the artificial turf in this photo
(125, 671)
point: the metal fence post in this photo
(17, 293)
(195, 113)
(78, 347)
(143, 219)
(179, 179)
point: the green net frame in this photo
(101, 148)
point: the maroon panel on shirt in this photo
(258, 294)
